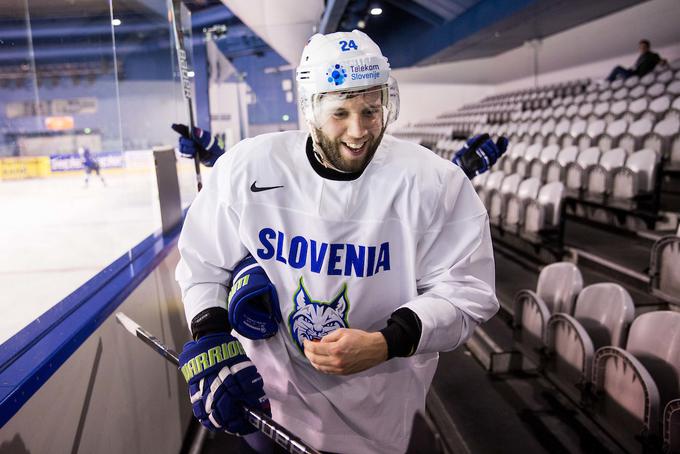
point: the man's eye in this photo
(340, 114)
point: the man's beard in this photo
(333, 155)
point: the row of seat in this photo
(526, 207)
(624, 370)
(654, 107)
(663, 137)
(615, 173)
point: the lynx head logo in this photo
(312, 319)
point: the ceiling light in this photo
(116, 22)
(190, 74)
(376, 11)
(361, 24)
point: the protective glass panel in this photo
(87, 89)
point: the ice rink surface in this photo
(57, 233)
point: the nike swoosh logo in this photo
(255, 188)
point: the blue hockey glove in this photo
(479, 154)
(253, 305)
(221, 380)
(209, 148)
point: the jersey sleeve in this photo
(209, 244)
(455, 269)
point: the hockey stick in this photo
(259, 420)
(175, 13)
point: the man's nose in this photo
(356, 127)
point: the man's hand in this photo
(346, 351)
(479, 154)
(200, 141)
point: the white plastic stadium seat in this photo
(600, 176)
(557, 288)
(647, 79)
(656, 90)
(610, 138)
(632, 81)
(637, 107)
(576, 171)
(637, 92)
(665, 268)
(593, 132)
(546, 211)
(512, 155)
(539, 167)
(617, 110)
(602, 314)
(556, 169)
(493, 181)
(665, 76)
(513, 218)
(601, 109)
(628, 398)
(632, 139)
(637, 176)
(498, 198)
(577, 128)
(661, 138)
(661, 359)
(523, 162)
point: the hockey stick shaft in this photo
(259, 420)
(174, 9)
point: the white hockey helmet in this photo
(343, 63)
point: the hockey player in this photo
(366, 255)
(90, 165)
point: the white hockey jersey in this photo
(410, 231)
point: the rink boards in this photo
(75, 381)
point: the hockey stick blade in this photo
(259, 420)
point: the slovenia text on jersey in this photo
(333, 259)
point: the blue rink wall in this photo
(74, 380)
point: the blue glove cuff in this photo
(208, 355)
(253, 304)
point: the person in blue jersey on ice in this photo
(322, 271)
(90, 164)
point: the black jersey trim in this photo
(325, 172)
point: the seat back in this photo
(596, 127)
(551, 195)
(656, 90)
(616, 128)
(528, 189)
(668, 127)
(495, 180)
(665, 267)
(567, 155)
(640, 128)
(643, 164)
(558, 285)
(601, 108)
(588, 157)
(605, 310)
(661, 104)
(654, 339)
(619, 107)
(613, 158)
